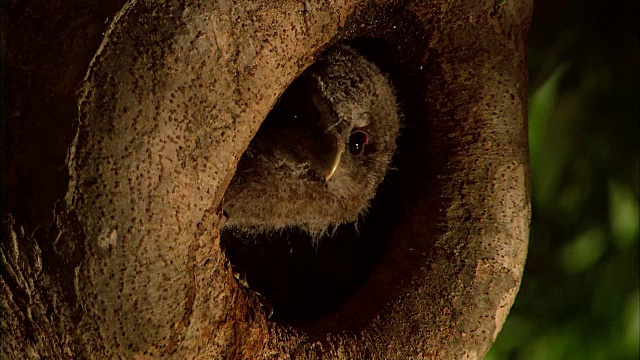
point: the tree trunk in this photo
(114, 182)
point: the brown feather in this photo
(277, 184)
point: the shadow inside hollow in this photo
(302, 278)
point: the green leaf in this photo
(584, 251)
(545, 165)
(623, 215)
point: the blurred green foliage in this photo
(579, 298)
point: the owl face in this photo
(322, 151)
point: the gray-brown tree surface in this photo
(113, 181)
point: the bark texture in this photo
(121, 256)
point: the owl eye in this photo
(357, 141)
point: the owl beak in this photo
(338, 149)
(325, 154)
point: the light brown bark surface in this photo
(131, 265)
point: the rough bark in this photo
(130, 264)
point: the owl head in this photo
(321, 153)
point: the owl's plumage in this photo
(321, 153)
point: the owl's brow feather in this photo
(321, 86)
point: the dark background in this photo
(579, 294)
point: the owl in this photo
(319, 156)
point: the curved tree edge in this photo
(132, 265)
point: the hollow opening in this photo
(300, 277)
